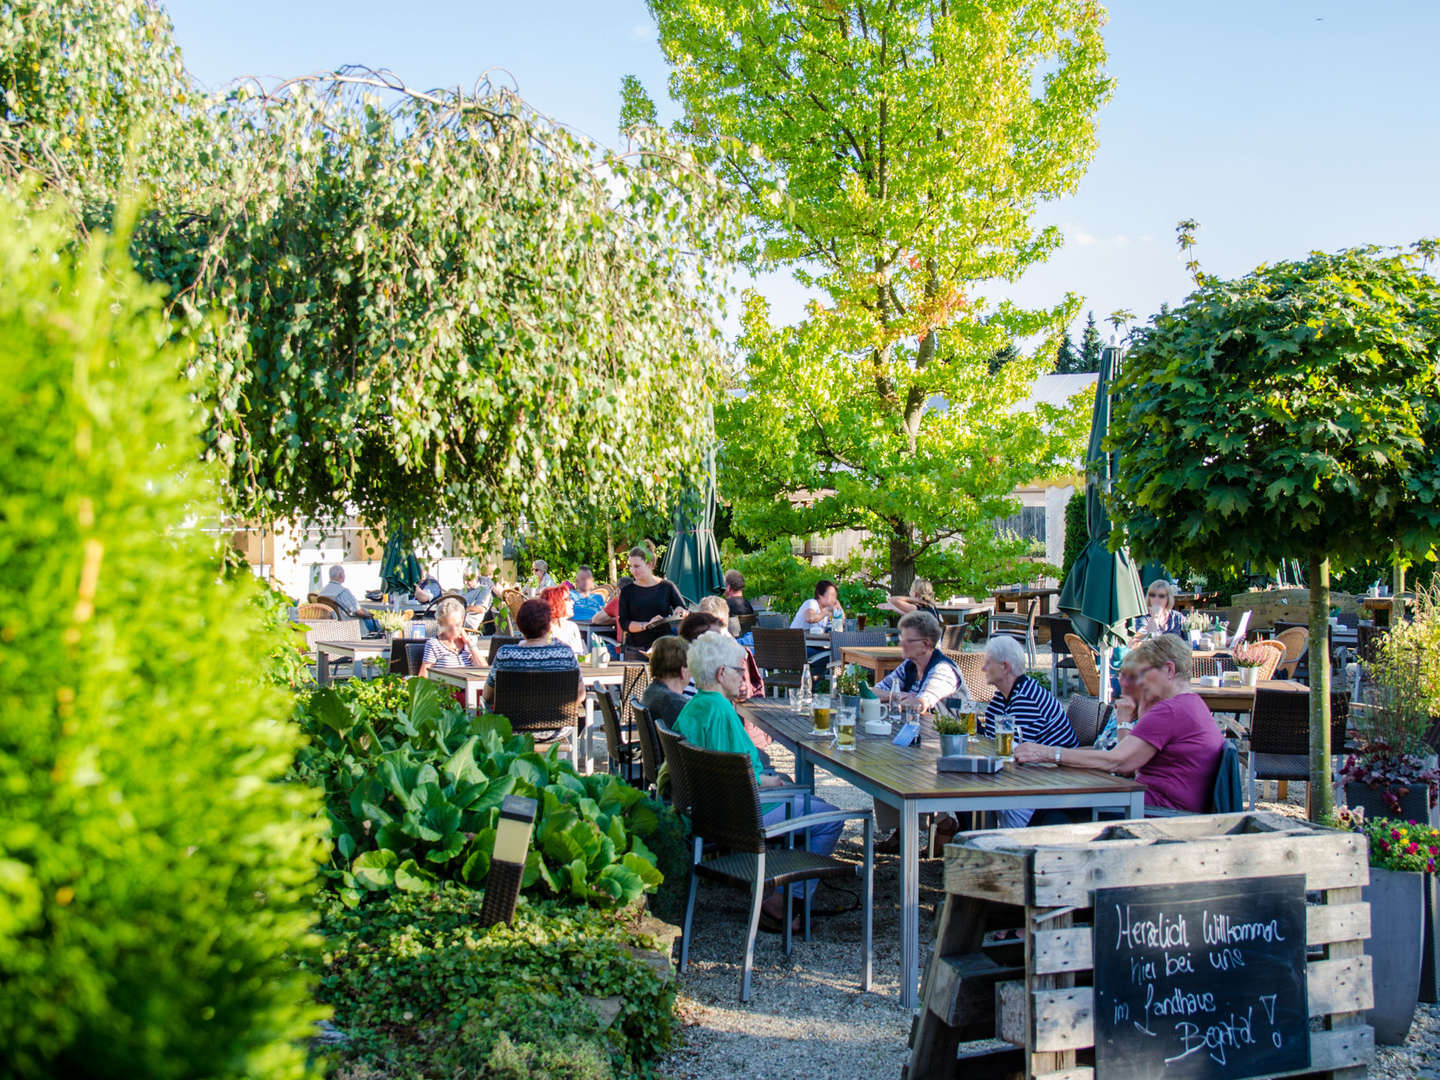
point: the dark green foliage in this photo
(1090, 345)
(1066, 358)
(775, 571)
(1077, 531)
(420, 992)
(154, 876)
(413, 787)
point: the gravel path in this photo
(807, 1018)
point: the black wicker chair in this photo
(406, 656)
(624, 753)
(746, 623)
(729, 816)
(1280, 735)
(1088, 716)
(840, 640)
(772, 620)
(545, 704)
(1062, 661)
(652, 755)
(780, 655)
(682, 792)
(496, 643)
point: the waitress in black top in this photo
(648, 603)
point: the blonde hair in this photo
(1155, 651)
(921, 589)
(1161, 583)
(714, 605)
(450, 608)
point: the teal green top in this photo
(710, 722)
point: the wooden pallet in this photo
(1035, 998)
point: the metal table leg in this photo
(322, 667)
(909, 904)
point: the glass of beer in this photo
(820, 715)
(845, 728)
(967, 719)
(1005, 737)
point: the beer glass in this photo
(820, 714)
(845, 728)
(1005, 737)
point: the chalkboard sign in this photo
(1201, 980)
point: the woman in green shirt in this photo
(717, 665)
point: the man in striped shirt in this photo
(1039, 716)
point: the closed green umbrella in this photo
(399, 569)
(1103, 589)
(1152, 571)
(692, 561)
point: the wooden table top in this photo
(881, 659)
(1242, 698)
(909, 771)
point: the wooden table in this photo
(1377, 604)
(1241, 699)
(1005, 597)
(906, 778)
(354, 650)
(1184, 601)
(879, 659)
(955, 614)
(471, 680)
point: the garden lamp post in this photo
(507, 863)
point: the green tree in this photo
(637, 110)
(1292, 412)
(155, 875)
(1066, 358)
(892, 156)
(1090, 345)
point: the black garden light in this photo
(507, 863)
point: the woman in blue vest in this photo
(926, 678)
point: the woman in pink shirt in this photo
(1174, 747)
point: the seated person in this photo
(1174, 748)
(752, 685)
(561, 628)
(535, 651)
(345, 600)
(451, 646)
(429, 589)
(479, 596)
(1038, 716)
(587, 601)
(669, 676)
(735, 594)
(542, 580)
(1163, 618)
(920, 598)
(816, 613)
(710, 721)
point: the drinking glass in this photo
(792, 696)
(845, 728)
(967, 718)
(820, 714)
(1005, 737)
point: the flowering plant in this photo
(389, 621)
(1394, 844)
(1250, 654)
(1384, 767)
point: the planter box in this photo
(1397, 914)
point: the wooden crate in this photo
(1024, 1010)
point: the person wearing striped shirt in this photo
(1039, 716)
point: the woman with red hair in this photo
(561, 608)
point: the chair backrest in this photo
(339, 630)
(1349, 619)
(456, 595)
(1201, 666)
(312, 598)
(308, 612)
(634, 678)
(538, 700)
(745, 623)
(1060, 628)
(952, 636)
(513, 599)
(729, 815)
(652, 754)
(851, 637)
(682, 791)
(1084, 663)
(1296, 640)
(497, 642)
(615, 741)
(1280, 722)
(1276, 651)
(771, 620)
(406, 656)
(1088, 717)
(972, 670)
(779, 650)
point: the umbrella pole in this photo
(1105, 674)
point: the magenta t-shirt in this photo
(1181, 775)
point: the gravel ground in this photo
(807, 1017)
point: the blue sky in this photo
(1281, 126)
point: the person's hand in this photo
(656, 621)
(1125, 711)
(679, 613)
(1029, 753)
(771, 780)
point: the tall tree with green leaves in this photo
(1291, 412)
(891, 156)
(1066, 358)
(1090, 345)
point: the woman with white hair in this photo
(1039, 717)
(716, 664)
(451, 646)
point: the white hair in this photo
(450, 608)
(711, 652)
(1007, 650)
(337, 573)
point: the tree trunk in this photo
(902, 563)
(1397, 582)
(1322, 796)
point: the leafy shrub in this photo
(419, 991)
(1077, 531)
(775, 571)
(153, 877)
(413, 790)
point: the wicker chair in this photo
(1201, 666)
(729, 816)
(634, 678)
(1020, 627)
(313, 612)
(1296, 640)
(972, 670)
(496, 643)
(1280, 735)
(952, 636)
(682, 791)
(624, 753)
(652, 754)
(1088, 716)
(548, 704)
(1277, 651)
(772, 620)
(513, 599)
(780, 655)
(1085, 664)
(406, 656)
(745, 624)
(839, 640)
(1061, 659)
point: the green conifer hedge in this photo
(154, 872)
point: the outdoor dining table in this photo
(879, 659)
(1005, 597)
(953, 614)
(907, 779)
(1241, 699)
(471, 681)
(354, 650)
